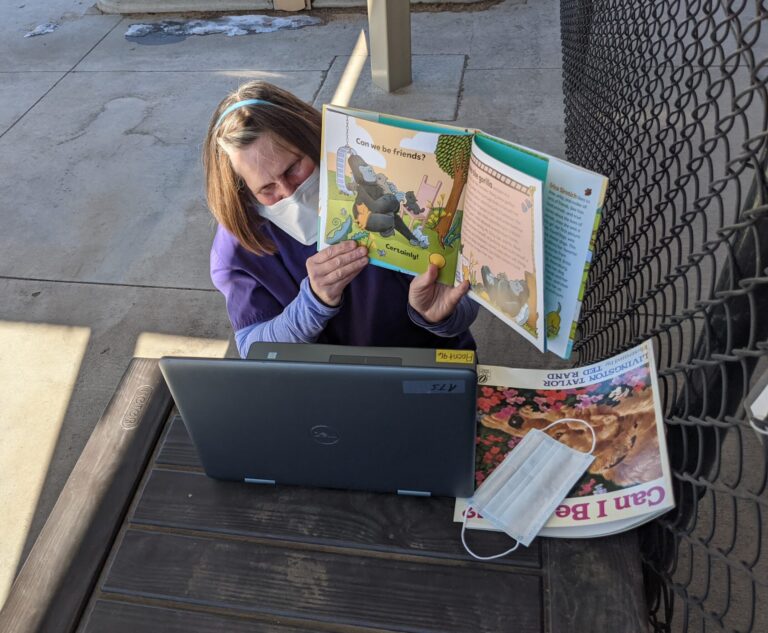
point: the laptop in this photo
(360, 418)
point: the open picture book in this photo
(516, 223)
(629, 481)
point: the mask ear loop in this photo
(584, 422)
(466, 511)
(469, 551)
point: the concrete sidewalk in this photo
(105, 234)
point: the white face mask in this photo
(297, 214)
(526, 488)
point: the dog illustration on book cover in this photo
(621, 411)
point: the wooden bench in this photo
(141, 540)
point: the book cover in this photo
(629, 481)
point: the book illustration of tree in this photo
(455, 231)
(452, 155)
(436, 211)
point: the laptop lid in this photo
(359, 355)
(380, 427)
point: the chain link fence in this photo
(669, 100)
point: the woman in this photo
(261, 159)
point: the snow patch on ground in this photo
(42, 29)
(230, 25)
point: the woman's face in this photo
(271, 170)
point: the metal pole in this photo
(389, 28)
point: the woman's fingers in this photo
(431, 299)
(426, 280)
(331, 270)
(337, 256)
(344, 259)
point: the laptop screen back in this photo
(351, 425)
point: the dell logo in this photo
(324, 435)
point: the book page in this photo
(501, 244)
(629, 481)
(572, 200)
(398, 191)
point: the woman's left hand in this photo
(432, 300)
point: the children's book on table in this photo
(627, 484)
(516, 223)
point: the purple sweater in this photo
(269, 299)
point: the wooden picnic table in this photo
(141, 540)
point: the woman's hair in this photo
(289, 121)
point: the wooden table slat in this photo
(177, 448)
(608, 567)
(383, 593)
(119, 617)
(382, 522)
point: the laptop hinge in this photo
(250, 480)
(414, 493)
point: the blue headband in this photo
(240, 104)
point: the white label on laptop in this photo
(433, 386)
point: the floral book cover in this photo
(629, 481)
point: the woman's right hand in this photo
(331, 270)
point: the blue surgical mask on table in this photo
(526, 488)
(297, 214)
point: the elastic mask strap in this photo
(469, 551)
(589, 426)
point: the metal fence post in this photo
(389, 28)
